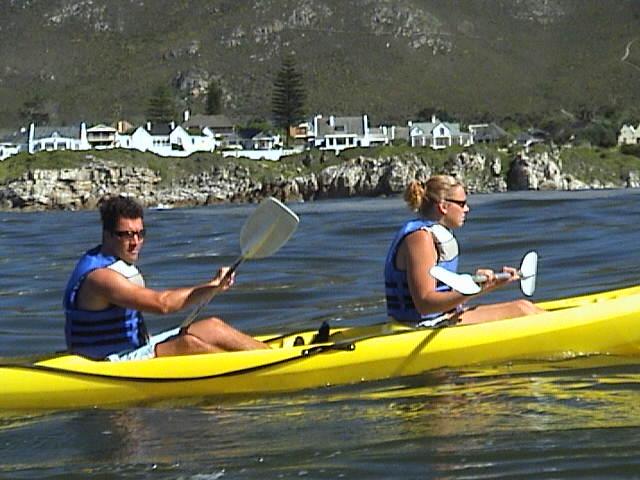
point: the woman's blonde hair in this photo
(421, 196)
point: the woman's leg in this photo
(499, 311)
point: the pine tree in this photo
(287, 103)
(214, 99)
(162, 105)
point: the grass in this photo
(584, 163)
(598, 164)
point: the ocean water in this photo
(572, 419)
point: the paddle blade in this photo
(528, 272)
(460, 283)
(267, 229)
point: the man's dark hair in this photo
(114, 207)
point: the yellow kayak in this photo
(601, 323)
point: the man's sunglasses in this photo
(129, 234)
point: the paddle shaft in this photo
(196, 311)
(499, 276)
(263, 233)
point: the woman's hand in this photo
(492, 281)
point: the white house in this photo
(57, 138)
(102, 137)
(629, 135)
(437, 134)
(339, 133)
(168, 140)
(12, 143)
(189, 142)
(266, 141)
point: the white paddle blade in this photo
(528, 272)
(460, 283)
(267, 229)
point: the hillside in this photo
(97, 60)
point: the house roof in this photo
(101, 128)
(62, 132)
(489, 132)
(160, 128)
(402, 133)
(263, 135)
(428, 127)
(343, 125)
(14, 137)
(530, 137)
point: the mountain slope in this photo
(98, 60)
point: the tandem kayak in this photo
(596, 324)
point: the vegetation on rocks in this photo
(588, 165)
(603, 165)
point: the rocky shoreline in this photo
(81, 188)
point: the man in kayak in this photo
(413, 295)
(106, 295)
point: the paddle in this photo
(266, 230)
(468, 284)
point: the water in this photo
(571, 419)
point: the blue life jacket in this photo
(399, 302)
(97, 334)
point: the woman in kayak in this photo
(413, 295)
(106, 295)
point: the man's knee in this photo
(183, 345)
(211, 323)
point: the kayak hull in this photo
(604, 323)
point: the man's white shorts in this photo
(146, 351)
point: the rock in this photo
(535, 172)
(194, 82)
(72, 189)
(81, 188)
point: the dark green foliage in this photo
(427, 113)
(214, 99)
(162, 105)
(287, 101)
(33, 111)
(630, 150)
(598, 134)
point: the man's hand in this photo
(223, 279)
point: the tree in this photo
(214, 99)
(162, 105)
(287, 102)
(34, 111)
(427, 113)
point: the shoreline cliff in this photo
(80, 187)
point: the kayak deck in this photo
(603, 323)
